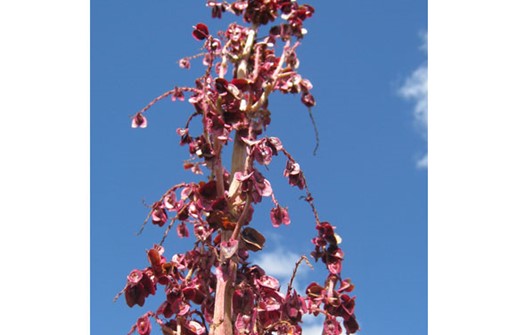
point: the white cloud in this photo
(422, 163)
(312, 329)
(312, 325)
(415, 89)
(278, 263)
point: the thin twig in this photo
(165, 95)
(303, 258)
(169, 228)
(315, 132)
(145, 221)
(172, 189)
(118, 295)
(155, 100)
(187, 124)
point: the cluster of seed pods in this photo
(213, 288)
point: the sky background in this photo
(367, 61)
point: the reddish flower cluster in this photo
(336, 303)
(213, 289)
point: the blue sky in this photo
(366, 61)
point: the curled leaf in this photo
(253, 240)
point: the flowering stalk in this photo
(213, 289)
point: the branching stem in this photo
(303, 258)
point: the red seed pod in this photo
(139, 121)
(200, 31)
